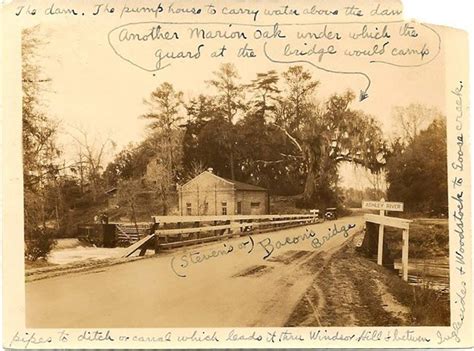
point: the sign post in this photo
(380, 242)
(405, 255)
(382, 220)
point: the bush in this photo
(40, 246)
(428, 307)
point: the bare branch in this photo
(265, 162)
(293, 139)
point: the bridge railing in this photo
(232, 218)
(174, 231)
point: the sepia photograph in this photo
(234, 175)
(223, 194)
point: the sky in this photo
(94, 89)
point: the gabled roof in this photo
(237, 185)
(244, 186)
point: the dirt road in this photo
(349, 290)
(243, 282)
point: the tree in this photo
(411, 119)
(163, 172)
(157, 160)
(128, 191)
(254, 132)
(130, 163)
(417, 173)
(61, 196)
(339, 134)
(355, 197)
(195, 169)
(200, 111)
(299, 100)
(160, 177)
(166, 114)
(165, 104)
(91, 154)
(122, 167)
(230, 91)
(40, 153)
(230, 95)
(265, 91)
(148, 166)
(322, 136)
(264, 156)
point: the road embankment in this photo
(351, 290)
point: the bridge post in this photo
(380, 242)
(405, 254)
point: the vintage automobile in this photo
(330, 213)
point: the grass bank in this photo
(428, 238)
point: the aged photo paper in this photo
(236, 174)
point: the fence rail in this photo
(232, 218)
(246, 226)
(175, 231)
(211, 228)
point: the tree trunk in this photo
(134, 216)
(231, 163)
(310, 183)
(81, 173)
(164, 200)
(319, 191)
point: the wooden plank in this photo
(138, 245)
(388, 221)
(172, 245)
(192, 219)
(178, 231)
(128, 224)
(195, 241)
(423, 269)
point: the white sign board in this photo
(388, 221)
(383, 205)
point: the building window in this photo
(224, 208)
(188, 209)
(205, 208)
(239, 207)
(255, 204)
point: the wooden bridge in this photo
(176, 231)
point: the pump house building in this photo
(209, 194)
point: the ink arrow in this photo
(363, 95)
